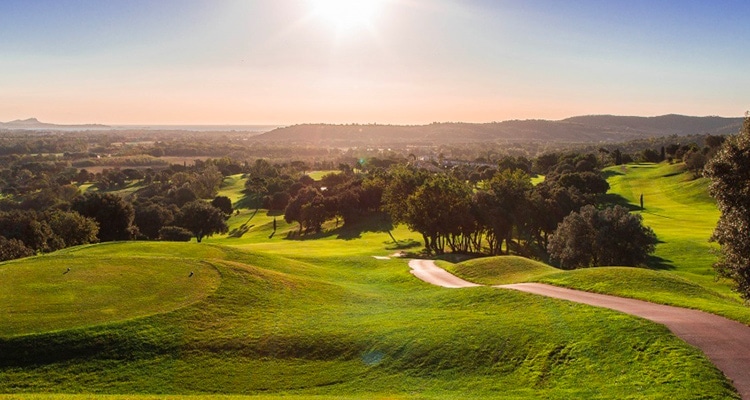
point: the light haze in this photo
(282, 62)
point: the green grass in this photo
(499, 270)
(40, 293)
(656, 286)
(318, 175)
(537, 179)
(233, 187)
(330, 320)
(681, 213)
(318, 316)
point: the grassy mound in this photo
(499, 270)
(661, 287)
(354, 326)
(74, 289)
(654, 286)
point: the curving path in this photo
(725, 342)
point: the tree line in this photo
(471, 208)
(484, 206)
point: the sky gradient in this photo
(406, 62)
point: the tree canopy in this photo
(592, 237)
(113, 214)
(729, 172)
(202, 219)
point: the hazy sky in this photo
(387, 61)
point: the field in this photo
(283, 316)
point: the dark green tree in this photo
(175, 234)
(113, 214)
(151, 217)
(31, 229)
(511, 191)
(202, 219)
(305, 209)
(592, 237)
(224, 204)
(729, 172)
(440, 209)
(11, 249)
(72, 228)
(403, 181)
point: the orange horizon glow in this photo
(406, 62)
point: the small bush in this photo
(175, 234)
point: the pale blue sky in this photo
(410, 61)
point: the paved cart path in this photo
(725, 342)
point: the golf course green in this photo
(336, 315)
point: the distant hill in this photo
(582, 129)
(35, 124)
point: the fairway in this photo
(679, 210)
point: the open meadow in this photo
(335, 315)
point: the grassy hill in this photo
(320, 316)
(348, 325)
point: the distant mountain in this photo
(582, 129)
(35, 124)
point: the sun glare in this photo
(347, 15)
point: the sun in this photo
(347, 15)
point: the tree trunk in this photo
(392, 238)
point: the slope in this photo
(353, 326)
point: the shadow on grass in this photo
(655, 214)
(610, 173)
(658, 263)
(378, 222)
(613, 199)
(455, 258)
(250, 202)
(402, 244)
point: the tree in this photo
(113, 214)
(11, 249)
(256, 187)
(307, 208)
(729, 172)
(277, 202)
(591, 237)
(616, 155)
(72, 228)
(175, 234)
(403, 181)
(151, 217)
(29, 228)
(206, 184)
(224, 204)
(695, 161)
(510, 191)
(649, 155)
(440, 209)
(202, 219)
(714, 141)
(182, 196)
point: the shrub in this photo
(175, 234)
